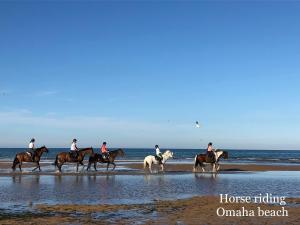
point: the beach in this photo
(196, 210)
(131, 194)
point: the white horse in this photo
(150, 159)
(201, 158)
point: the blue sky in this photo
(138, 74)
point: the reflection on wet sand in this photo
(129, 189)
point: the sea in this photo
(278, 157)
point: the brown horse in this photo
(201, 158)
(99, 158)
(26, 157)
(64, 157)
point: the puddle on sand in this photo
(18, 192)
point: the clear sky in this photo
(136, 74)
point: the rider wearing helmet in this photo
(158, 154)
(210, 154)
(31, 148)
(74, 149)
(104, 151)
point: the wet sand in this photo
(132, 168)
(196, 210)
(224, 167)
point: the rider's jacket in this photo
(104, 149)
(31, 145)
(73, 147)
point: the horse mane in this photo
(84, 149)
(40, 147)
(119, 149)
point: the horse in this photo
(150, 159)
(26, 157)
(94, 158)
(64, 157)
(201, 158)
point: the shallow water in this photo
(182, 155)
(19, 191)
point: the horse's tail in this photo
(16, 161)
(145, 163)
(56, 160)
(195, 162)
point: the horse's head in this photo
(168, 154)
(121, 152)
(225, 155)
(90, 150)
(44, 149)
(85, 151)
(221, 154)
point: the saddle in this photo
(158, 158)
(105, 156)
(73, 156)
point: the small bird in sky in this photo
(197, 124)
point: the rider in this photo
(104, 151)
(158, 154)
(74, 149)
(210, 154)
(31, 148)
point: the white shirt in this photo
(73, 147)
(157, 151)
(31, 145)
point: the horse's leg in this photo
(35, 168)
(59, 167)
(77, 167)
(20, 165)
(81, 163)
(114, 165)
(107, 166)
(195, 165)
(150, 168)
(15, 163)
(202, 166)
(218, 167)
(162, 167)
(213, 167)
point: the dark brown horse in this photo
(201, 159)
(99, 158)
(26, 157)
(64, 157)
